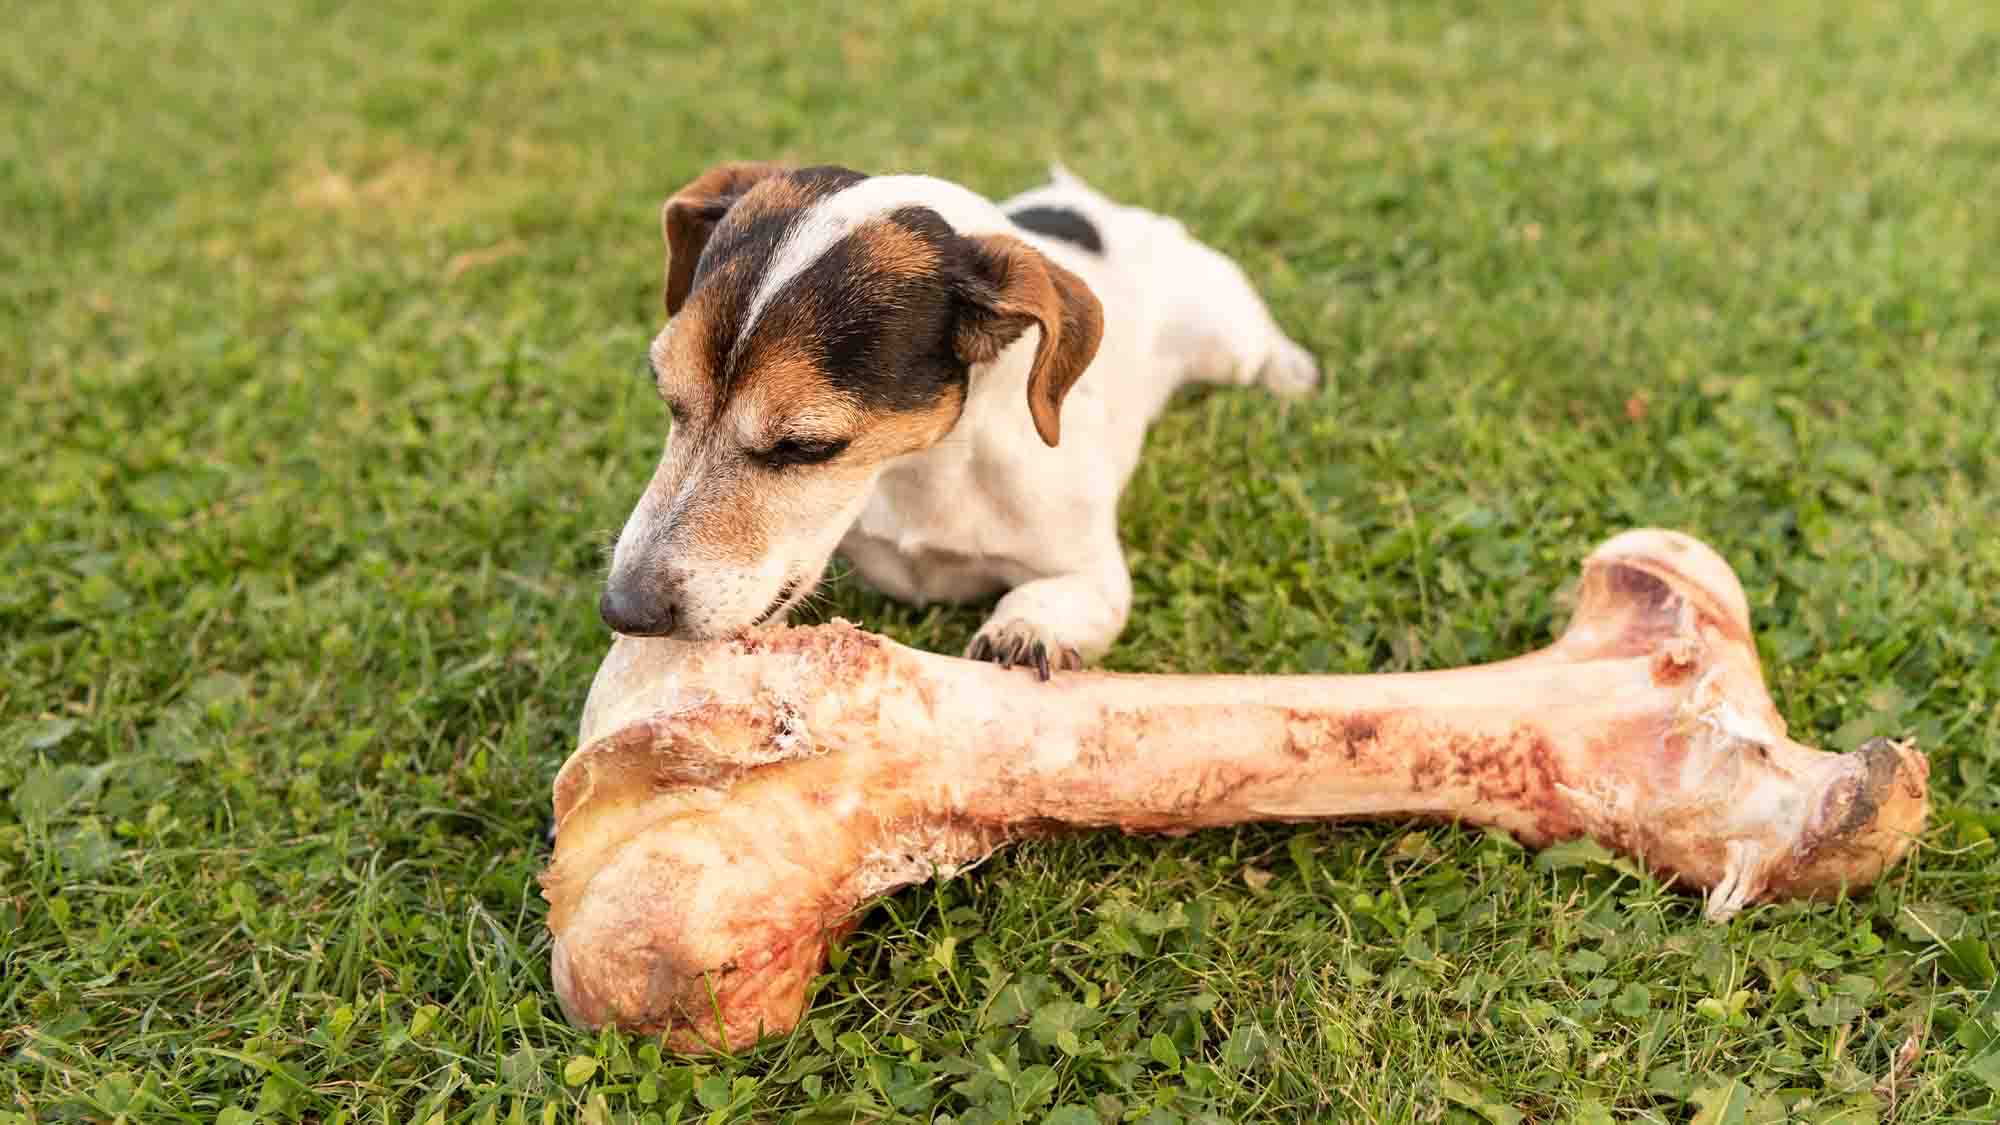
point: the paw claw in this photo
(1017, 645)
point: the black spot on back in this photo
(1060, 222)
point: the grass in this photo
(323, 323)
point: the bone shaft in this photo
(1487, 745)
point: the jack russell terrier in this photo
(949, 392)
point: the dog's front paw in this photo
(1291, 370)
(1021, 644)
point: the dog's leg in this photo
(1216, 328)
(1061, 622)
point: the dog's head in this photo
(821, 324)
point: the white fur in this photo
(992, 508)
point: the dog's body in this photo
(938, 344)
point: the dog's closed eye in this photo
(800, 451)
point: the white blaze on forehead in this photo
(825, 223)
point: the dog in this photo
(950, 392)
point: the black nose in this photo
(636, 615)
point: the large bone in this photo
(734, 805)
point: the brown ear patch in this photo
(1013, 285)
(691, 215)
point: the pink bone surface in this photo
(733, 805)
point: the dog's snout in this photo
(637, 614)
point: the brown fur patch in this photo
(893, 251)
(727, 523)
(685, 355)
(784, 388)
(893, 433)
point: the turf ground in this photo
(322, 326)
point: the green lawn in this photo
(322, 332)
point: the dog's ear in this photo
(1010, 286)
(690, 217)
